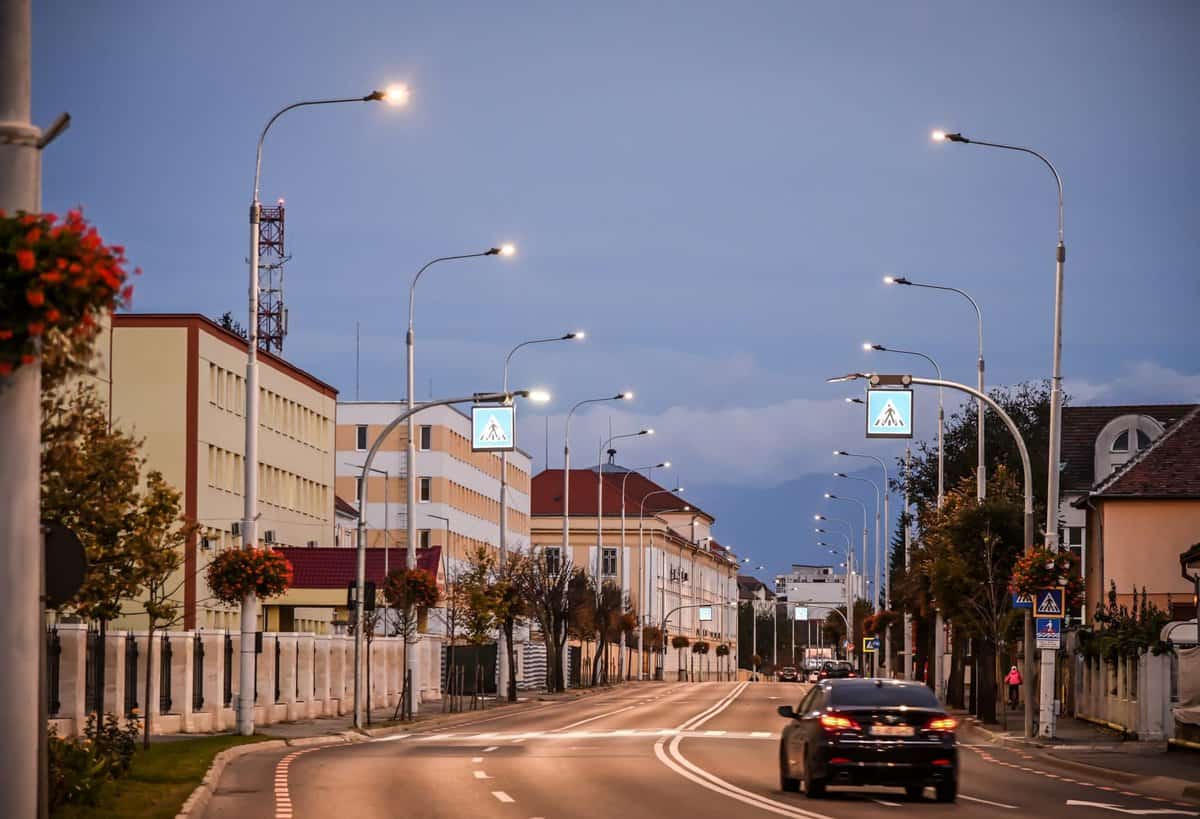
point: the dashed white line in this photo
(477, 759)
(490, 748)
(481, 775)
(502, 796)
(886, 803)
(986, 802)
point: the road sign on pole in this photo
(1049, 603)
(800, 613)
(493, 428)
(705, 614)
(889, 413)
(870, 645)
(1021, 601)
(1049, 633)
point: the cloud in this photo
(1141, 382)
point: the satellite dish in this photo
(62, 551)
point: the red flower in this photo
(28, 359)
(6, 368)
(33, 235)
(36, 328)
(25, 259)
(127, 292)
(36, 298)
(51, 277)
(5, 335)
(53, 316)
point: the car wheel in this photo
(914, 792)
(814, 787)
(947, 791)
(786, 783)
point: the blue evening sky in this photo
(712, 190)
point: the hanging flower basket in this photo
(405, 587)
(235, 573)
(1043, 568)
(57, 277)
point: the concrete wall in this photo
(316, 678)
(1131, 695)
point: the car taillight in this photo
(851, 674)
(839, 722)
(941, 724)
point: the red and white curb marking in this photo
(283, 799)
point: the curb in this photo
(196, 803)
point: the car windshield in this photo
(875, 694)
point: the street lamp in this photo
(887, 523)
(576, 335)
(642, 549)
(361, 550)
(874, 486)
(641, 565)
(1060, 256)
(981, 463)
(566, 535)
(249, 613)
(831, 496)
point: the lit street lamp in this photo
(649, 581)
(249, 615)
(641, 565)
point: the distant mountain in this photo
(773, 526)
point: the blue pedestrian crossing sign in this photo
(1021, 600)
(1049, 633)
(493, 428)
(1049, 603)
(870, 644)
(889, 413)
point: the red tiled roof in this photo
(344, 506)
(1169, 468)
(546, 496)
(333, 568)
(1081, 426)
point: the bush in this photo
(234, 573)
(79, 767)
(1124, 632)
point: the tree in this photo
(492, 601)
(159, 533)
(544, 586)
(407, 591)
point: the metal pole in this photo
(908, 645)
(20, 395)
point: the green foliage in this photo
(1122, 631)
(79, 767)
(679, 641)
(236, 572)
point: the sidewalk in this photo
(1086, 747)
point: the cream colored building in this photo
(666, 560)
(178, 382)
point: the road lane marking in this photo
(283, 798)
(593, 719)
(490, 748)
(477, 759)
(1132, 811)
(502, 796)
(887, 804)
(987, 802)
(481, 775)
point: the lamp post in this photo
(361, 556)
(1060, 256)
(866, 592)
(981, 462)
(886, 584)
(850, 594)
(641, 565)
(249, 614)
(502, 643)
(1027, 685)
(641, 549)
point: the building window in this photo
(360, 437)
(553, 559)
(608, 562)
(1143, 440)
(424, 541)
(426, 438)
(1121, 442)
(424, 491)
(357, 488)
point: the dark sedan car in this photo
(836, 670)
(869, 732)
(789, 674)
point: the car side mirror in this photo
(786, 712)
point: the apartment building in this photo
(656, 543)
(458, 491)
(178, 382)
(820, 589)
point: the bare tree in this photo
(544, 586)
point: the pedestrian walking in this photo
(1013, 678)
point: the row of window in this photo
(225, 469)
(294, 420)
(424, 438)
(226, 389)
(290, 491)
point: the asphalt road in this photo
(648, 751)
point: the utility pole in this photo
(20, 438)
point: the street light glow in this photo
(889, 279)
(827, 495)
(868, 345)
(578, 335)
(664, 465)
(396, 94)
(508, 249)
(647, 432)
(540, 396)
(626, 396)
(939, 136)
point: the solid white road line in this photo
(987, 802)
(490, 748)
(886, 804)
(593, 719)
(502, 796)
(481, 775)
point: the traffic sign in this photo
(1021, 600)
(889, 413)
(492, 428)
(800, 613)
(705, 614)
(1049, 633)
(1049, 603)
(870, 644)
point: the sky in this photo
(713, 191)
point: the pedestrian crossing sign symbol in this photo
(1049, 603)
(889, 413)
(492, 428)
(1049, 633)
(1022, 601)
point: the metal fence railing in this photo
(53, 667)
(93, 672)
(131, 675)
(197, 673)
(164, 676)
(228, 669)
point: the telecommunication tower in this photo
(272, 314)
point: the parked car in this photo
(836, 670)
(789, 674)
(869, 732)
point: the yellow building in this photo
(666, 559)
(178, 382)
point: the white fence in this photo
(194, 679)
(1132, 695)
